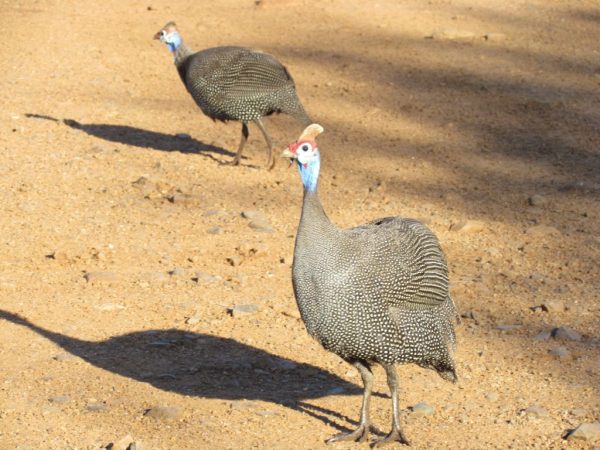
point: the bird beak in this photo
(287, 153)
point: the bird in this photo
(373, 294)
(232, 83)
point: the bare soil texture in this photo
(123, 249)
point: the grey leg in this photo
(270, 159)
(396, 435)
(362, 432)
(238, 156)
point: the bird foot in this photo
(396, 435)
(358, 435)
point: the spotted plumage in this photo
(235, 83)
(376, 293)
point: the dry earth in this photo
(123, 248)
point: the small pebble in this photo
(261, 225)
(565, 334)
(122, 444)
(589, 432)
(537, 411)
(215, 230)
(183, 136)
(110, 307)
(559, 352)
(194, 319)
(177, 272)
(422, 409)
(553, 305)
(96, 406)
(164, 412)
(542, 336)
(537, 200)
(201, 277)
(60, 399)
(468, 226)
(491, 396)
(100, 277)
(243, 310)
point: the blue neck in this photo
(174, 41)
(310, 174)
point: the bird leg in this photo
(362, 432)
(396, 435)
(238, 156)
(270, 159)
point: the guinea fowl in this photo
(235, 83)
(373, 294)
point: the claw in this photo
(358, 435)
(394, 436)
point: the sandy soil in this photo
(123, 248)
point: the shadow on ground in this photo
(206, 366)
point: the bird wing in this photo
(238, 71)
(405, 264)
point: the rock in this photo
(542, 336)
(469, 315)
(468, 226)
(253, 214)
(201, 277)
(122, 444)
(537, 411)
(110, 307)
(193, 320)
(589, 432)
(164, 412)
(243, 310)
(183, 136)
(154, 277)
(494, 37)
(537, 200)
(234, 260)
(135, 445)
(215, 230)
(491, 396)
(336, 391)
(267, 413)
(261, 225)
(452, 34)
(60, 399)
(565, 334)
(177, 272)
(542, 231)
(100, 277)
(422, 409)
(553, 305)
(559, 352)
(96, 406)
(63, 357)
(579, 412)
(180, 198)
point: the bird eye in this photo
(305, 147)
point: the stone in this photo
(96, 406)
(110, 307)
(234, 260)
(559, 352)
(542, 336)
(422, 409)
(491, 396)
(579, 412)
(60, 399)
(184, 136)
(180, 198)
(468, 226)
(154, 277)
(201, 277)
(536, 411)
(553, 305)
(589, 432)
(123, 443)
(177, 272)
(164, 412)
(261, 225)
(63, 357)
(253, 214)
(537, 200)
(565, 334)
(101, 277)
(453, 34)
(215, 230)
(193, 320)
(135, 445)
(243, 310)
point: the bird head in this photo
(169, 36)
(305, 152)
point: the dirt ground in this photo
(125, 261)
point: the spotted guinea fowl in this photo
(235, 83)
(376, 293)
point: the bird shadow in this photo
(139, 137)
(207, 366)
